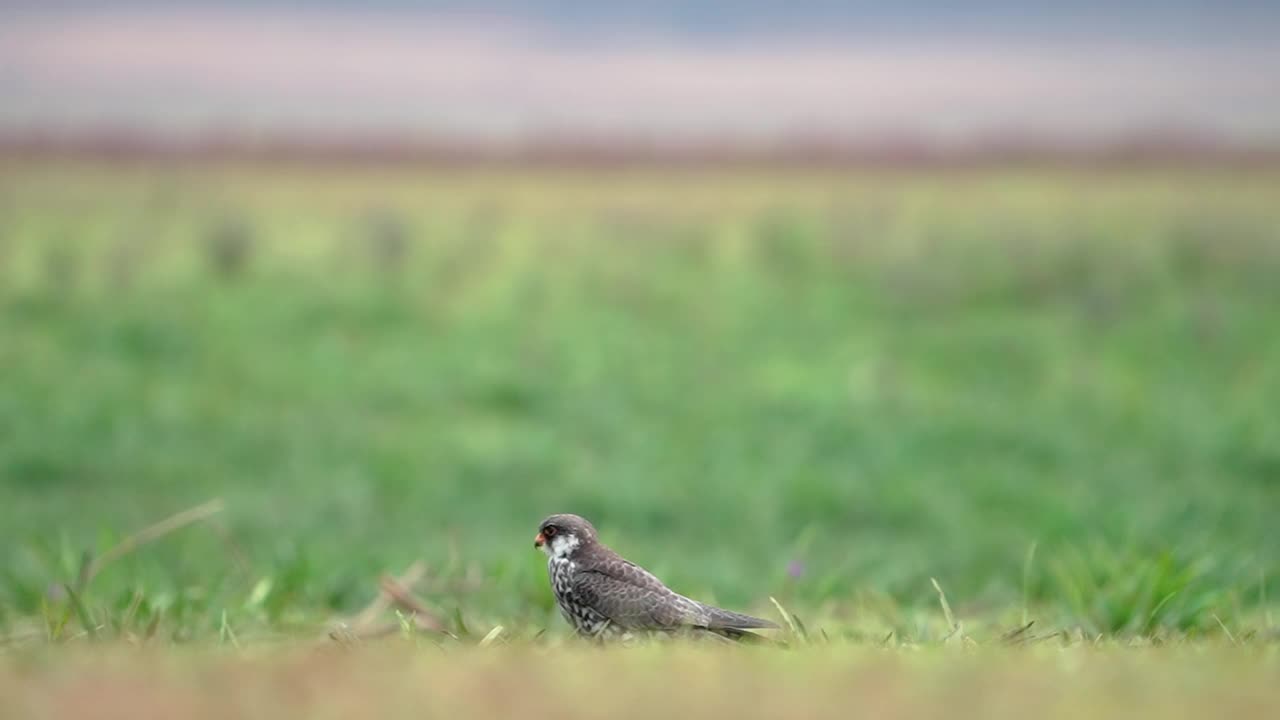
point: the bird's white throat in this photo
(561, 546)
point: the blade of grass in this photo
(1026, 581)
(796, 629)
(1223, 625)
(1262, 599)
(946, 607)
(406, 621)
(132, 611)
(1017, 634)
(82, 612)
(460, 624)
(406, 600)
(54, 625)
(226, 634)
(1155, 611)
(383, 600)
(150, 534)
(491, 636)
(152, 626)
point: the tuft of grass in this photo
(792, 623)
(1129, 592)
(86, 619)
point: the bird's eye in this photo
(550, 531)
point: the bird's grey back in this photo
(635, 598)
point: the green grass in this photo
(1055, 393)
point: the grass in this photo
(1051, 392)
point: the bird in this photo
(605, 596)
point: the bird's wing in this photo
(631, 597)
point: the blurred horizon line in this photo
(1156, 146)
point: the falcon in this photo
(604, 595)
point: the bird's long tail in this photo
(731, 635)
(720, 619)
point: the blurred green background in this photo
(1049, 390)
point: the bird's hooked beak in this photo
(539, 540)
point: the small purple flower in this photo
(795, 569)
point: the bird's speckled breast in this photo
(561, 571)
(584, 619)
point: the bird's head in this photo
(560, 536)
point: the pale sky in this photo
(915, 69)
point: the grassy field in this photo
(1053, 392)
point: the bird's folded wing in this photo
(629, 604)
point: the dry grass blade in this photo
(406, 600)
(152, 627)
(391, 591)
(382, 602)
(946, 606)
(793, 624)
(150, 534)
(342, 634)
(1018, 634)
(491, 636)
(1223, 625)
(956, 633)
